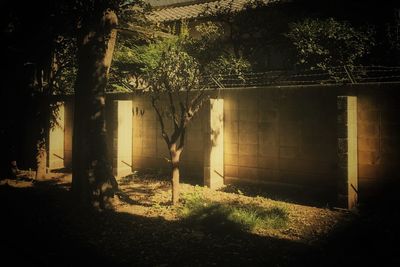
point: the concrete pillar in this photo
(56, 140)
(347, 151)
(214, 150)
(122, 135)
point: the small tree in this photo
(175, 80)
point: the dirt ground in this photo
(42, 227)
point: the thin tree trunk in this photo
(92, 180)
(175, 185)
(175, 158)
(42, 141)
(41, 159)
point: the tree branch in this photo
(195, 105)
(183, 111)
(187, 99)
(161, 120)
(182, 140)
(172, 106)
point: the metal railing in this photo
(336, 75)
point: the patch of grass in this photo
(216, 216)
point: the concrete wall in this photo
(122, 138)
(281, 135)
(56, 141)
(271, 135)
(347, 175)
(214, 144)
(286, 135)
(278, 135)
(378, 137)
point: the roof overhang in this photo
(189, 10)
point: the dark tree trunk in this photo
(92, 181)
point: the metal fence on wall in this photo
(336, 75)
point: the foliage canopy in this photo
(325, 43)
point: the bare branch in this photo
(160, 119)
(197, 98)
(172, 106)
(187, 99)
(195, 104)
(178, 94)
(175, 136)
(183, 115)
(182, 140)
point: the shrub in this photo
(231, 216)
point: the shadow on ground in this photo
(41, 227)
(299, 195)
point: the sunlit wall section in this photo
(347, 151)
(122, 161)
(352, 148)
(214, 153)
(56, 140)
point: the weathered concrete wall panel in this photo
(283, 135)
(56, 140)
(279, 135)
(378, 138)
(122, 138)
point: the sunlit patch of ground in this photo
(16, 183)
(26, 178)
